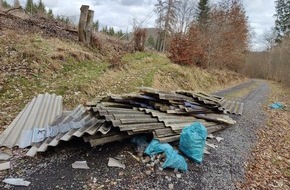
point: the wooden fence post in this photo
(83, 22)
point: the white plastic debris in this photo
(4, 166)
(16, 182)
(219, 139)
(115, 163)
(80, 165)
(211, 145)
(210, 136)
(206, 151)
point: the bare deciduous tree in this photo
(166, 18)
(269, 38)
(16, 4)
(185, 15)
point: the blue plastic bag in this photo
(173, 159)
(277, 105)
(192, 141)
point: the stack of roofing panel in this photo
(75, 124)
(115, 117)
(161, 113)
(37, 114)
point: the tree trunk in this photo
(83, 22)
(89, 27)
(166, 25)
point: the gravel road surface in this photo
(222, 169)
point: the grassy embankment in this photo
(31, 64)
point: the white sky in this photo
(120, 13)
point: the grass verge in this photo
(31, 64)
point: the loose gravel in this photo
(222, 169)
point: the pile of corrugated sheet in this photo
(116, 117)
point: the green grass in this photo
(79, 73)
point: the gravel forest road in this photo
(222, 169)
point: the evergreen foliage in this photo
(203, 13)
(282, 22)
(5, 4)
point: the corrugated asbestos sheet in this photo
(39, 113)
(75, 124)
(116, 117)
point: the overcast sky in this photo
(120, 13)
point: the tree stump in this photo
(89, 27)
(83, 22)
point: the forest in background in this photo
(208, 35)
(273, 63)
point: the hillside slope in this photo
(31, 64)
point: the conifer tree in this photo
(96, 25)
(4, 4)
(41, 7)
(282, 22)
(30, 7)
(111, 31)
(203, 13)
(50, 13)
(151, 42)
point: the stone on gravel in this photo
(80, 165)
(156, 162)
(148, 172)
(219, 139)
(170, 186)
(211, 145)
(4, 166)
(210, 136)
(178, 175)
(115, 163)
(205, 151)
(146, 159)
(16, 182)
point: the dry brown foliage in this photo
(222, 43)
(270, 160)
(139, 39)
(112, 48)
(272, 64)
(187, 49)
(38, 24)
